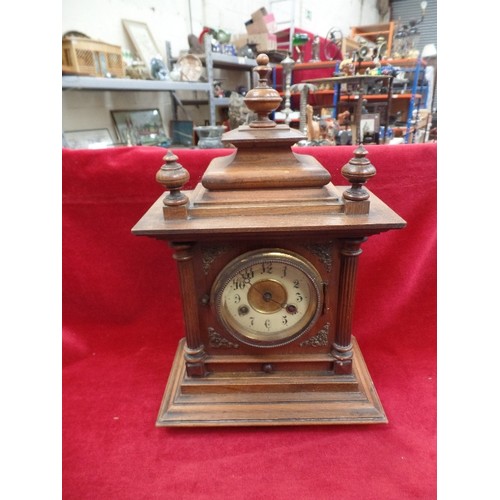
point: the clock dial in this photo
(267, 298)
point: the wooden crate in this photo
(373, 31)
(84, 56)
(349, 45)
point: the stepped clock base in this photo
(270, 400)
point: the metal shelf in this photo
(93, 83)
(224, 61)
(71, 82)
(210, 60)
(218, 101)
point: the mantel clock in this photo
(267, 250)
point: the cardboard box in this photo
(261, 22)
(259, 13)
(265, 41)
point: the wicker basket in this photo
(84, 56)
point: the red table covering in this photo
(122, 322)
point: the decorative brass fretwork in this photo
(217, 341)
(320, 339)
(324, 253)
(209, 255)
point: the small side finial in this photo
(172, 176)
(357, 172)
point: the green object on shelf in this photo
(300, 39)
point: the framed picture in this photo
(181, 132)
(87, 139)
(369, 125)
(140, 127)
(142, 39)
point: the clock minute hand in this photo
(268, 297)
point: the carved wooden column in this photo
(194, 350)
(173, 176)
(342, 346)
(357, 171)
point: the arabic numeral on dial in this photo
(237, 299)
(284, 272)
(267, 268)
(247, 275)
(299, 297)
(296, 284)
(238, 284)
(284, 320)
(267, 324)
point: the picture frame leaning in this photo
(369, 126)
(143, 40)
(140, 127)
(87, 139)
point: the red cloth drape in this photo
(122, 322)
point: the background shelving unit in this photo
(401, 104)
(372, 32)
(209, 59)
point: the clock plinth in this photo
(267, 250)
(232, 399)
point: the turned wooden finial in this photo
(263, 99)
(172, 176)
(357, 172)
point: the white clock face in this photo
(268, 298)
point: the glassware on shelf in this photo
(209, 136)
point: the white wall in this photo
(102, 20)
(318, 16)
(173, 21)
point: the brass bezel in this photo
(286, 335)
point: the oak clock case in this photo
(267, 251)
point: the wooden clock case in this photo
(264, 196)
